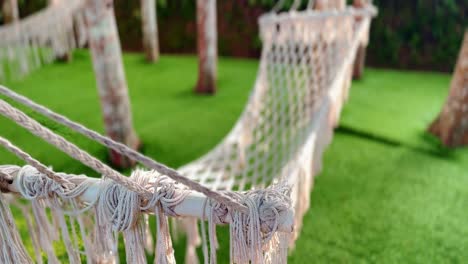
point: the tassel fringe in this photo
(12, 250)
(59, 216)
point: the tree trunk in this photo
(53, 2)
(112, 86)
(207, 46)
(338, 4)
(452, 124)
(10, 11)
(67, 56)
(150, 30)
(330, 4)
(360, 61)
(321, 5)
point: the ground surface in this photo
(388, 192)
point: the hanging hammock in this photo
(257, 180)
(38, 39)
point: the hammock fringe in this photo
(88, 215)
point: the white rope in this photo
(12, 250)
(302, 83)
(58, 141)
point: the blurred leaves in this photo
(418, 34)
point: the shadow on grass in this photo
(190, 94)
(434, 147)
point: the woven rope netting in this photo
(304, 76)
(252, 180)
(38, 39)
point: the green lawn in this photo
(388, 193)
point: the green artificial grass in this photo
(388, 193)
(397, 106)
(174, 125)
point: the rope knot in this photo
(123, 207)
(34, 185)
(252, 233)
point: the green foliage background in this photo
(408, 34)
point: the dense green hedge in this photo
(423, 34)
(416, 34)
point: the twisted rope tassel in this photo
(46, 233)
(105, 240)
(43, 192)
(25, 210)
(164, 252)
(39, 188)
(251, 241)
(165, 199)
(212, 238)
(120, 209)
(12, 249)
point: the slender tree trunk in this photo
(207, 46)
(338, 4)
(321, 4)
(150, 30)
(360, 61)
(112, 86)
(10, 11)
(330, 4)
(452, 124)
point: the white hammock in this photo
(303, 80)
(304, 76)
(38, 39)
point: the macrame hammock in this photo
(40, 38)
(257, 180)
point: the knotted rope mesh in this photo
(303, 79)
(306, 60)
(38, 39)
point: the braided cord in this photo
(108, 142)
(31, 161)
(71, 149)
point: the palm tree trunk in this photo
(452, 124)
(207, 46)
(111, 82)
(150, 30)
(10, 11)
